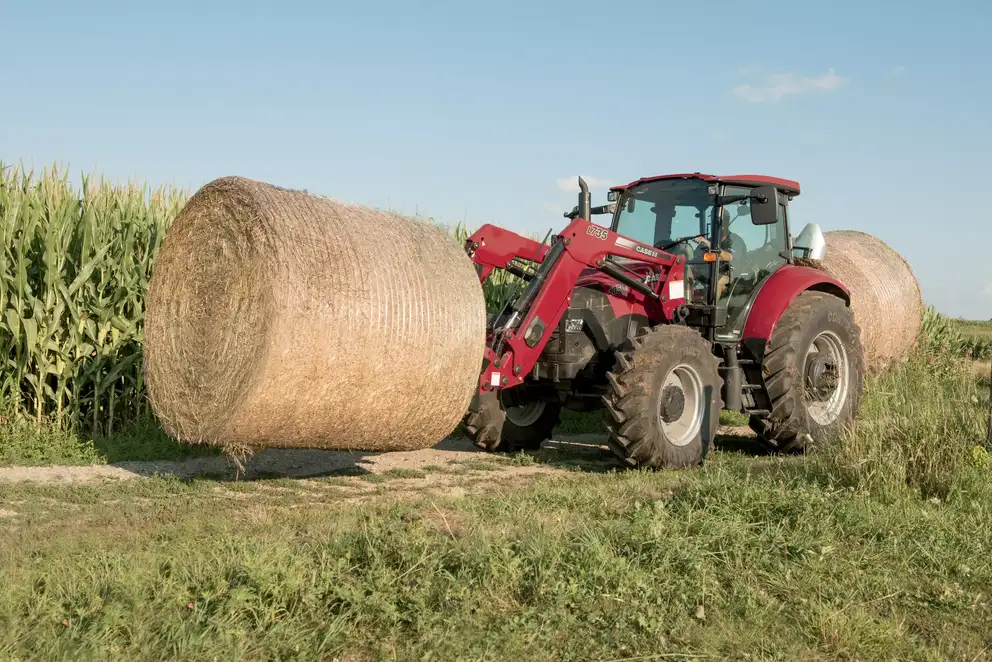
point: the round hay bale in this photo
(279, 319)
(885, 295)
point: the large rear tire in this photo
(495, 425)
(663, 400)
(814, 374)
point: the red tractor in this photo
(688, 303)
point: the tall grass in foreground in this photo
(922, 425)
(74, 268)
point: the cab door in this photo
(757, 253)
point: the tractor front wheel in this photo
(663, 401)
(813, 371)
(500, 421)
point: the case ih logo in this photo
(599, 233)
(645, 251)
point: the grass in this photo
(23, 443)
(784, 562)
(920, 428)
(875, 549)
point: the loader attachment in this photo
(518, 335)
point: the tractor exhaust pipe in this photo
(585, 200)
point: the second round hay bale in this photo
(280, 319)
(885, 295)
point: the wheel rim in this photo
(680, 412)
(525, 415)
(826, 380)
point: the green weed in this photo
(922, 427)
(759, 559)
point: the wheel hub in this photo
(822, 377)
(672, 403)
(680, 404)
(827, 382)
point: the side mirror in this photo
(764, 205)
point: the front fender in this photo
(778, 293)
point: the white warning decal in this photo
(597, 232)
(494, 379)
(676, 290)
(646, 251)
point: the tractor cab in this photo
(732, 232)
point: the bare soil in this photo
(454, 455)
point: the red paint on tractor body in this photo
(778, 293)
(787, 186)
(492, 246)
(584, 248)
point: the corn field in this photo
(957, 337)
(74, 270)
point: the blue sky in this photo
(487, 111)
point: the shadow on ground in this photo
(575, 452)
(455, 454)
(585, 452)
(741, 443)
(302, 463)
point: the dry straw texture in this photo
(885, 295)
(280, 319)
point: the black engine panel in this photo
(580, 349)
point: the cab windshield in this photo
(660, 212)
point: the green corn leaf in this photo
(87, 270)
(31, 333)
(13, 322)
(116, 372)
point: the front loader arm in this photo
(493, 247)
(516, 345)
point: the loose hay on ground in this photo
(885, 295)
(279, 319)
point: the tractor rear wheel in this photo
(814, 374)
(663, 400)
(498, 422)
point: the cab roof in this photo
(786, 185)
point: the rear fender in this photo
(778, 293)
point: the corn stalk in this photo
(74, 270)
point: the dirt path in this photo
(561, 454)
